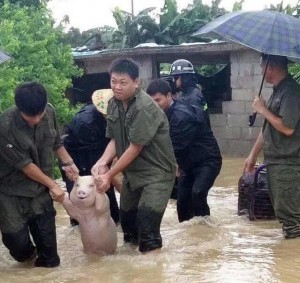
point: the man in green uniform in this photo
(139, 133)
(280, 141)
(28, 136)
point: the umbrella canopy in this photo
(4, 57)
(266, 31)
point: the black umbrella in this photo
(268, 32)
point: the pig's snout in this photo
(81, 194)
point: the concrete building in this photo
(235, 89)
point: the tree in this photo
(133, 30)
(28, 35)
(182, 26)
(26, 3)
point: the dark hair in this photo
(125, 66)
(31, 98)
(158, 85)
(274, 60)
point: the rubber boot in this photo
(19, 245)
(129, 226)
(43, 232)
(149, 229)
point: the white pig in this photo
(91, 209)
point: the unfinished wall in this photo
(231, 128)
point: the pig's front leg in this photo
(101, 203)
(71, 209)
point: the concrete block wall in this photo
(231, 128)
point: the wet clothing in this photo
(148, 180)
(142, 211)
(36, 217)
(197, 153)
(85, 141)
(285, 103)
(282, 155)
(20, 145)
(24, 203)
(193, 190)
(284, 183)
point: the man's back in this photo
(193, 141)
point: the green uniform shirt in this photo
(144, 123)
(22, 144)
(285, 103)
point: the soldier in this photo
(139, 134)
(279, 139)
(196, 150)
(28, 136)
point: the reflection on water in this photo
(223, 248)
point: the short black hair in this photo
(274, 60)
(31, 98)
(158, 85)
(125, 66)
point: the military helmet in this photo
(182, 66)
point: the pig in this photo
(91, 209)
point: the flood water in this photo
(224, 248)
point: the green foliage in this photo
(28, 35)
(196, 15)
(173, 27)
(73, 37)
(294, 69)
(238, 5)
(209, 70)
(133, 30)
(26, 3)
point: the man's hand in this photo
(57, 193)
(103, 182)
(99, 168)
(259, 105)
(249, 164)
(71, 171)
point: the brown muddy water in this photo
(224, 248)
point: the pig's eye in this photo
(76, 185)
(92, 186)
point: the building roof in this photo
(188, 48)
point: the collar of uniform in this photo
(131, 99)
(282, 83)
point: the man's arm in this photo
(182, 132)
(68, 165)
(259, 105)
(124, 161)
(36, 174)
(109, 154)
(251, 159)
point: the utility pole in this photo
(132, 9)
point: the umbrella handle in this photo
(252, 118)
